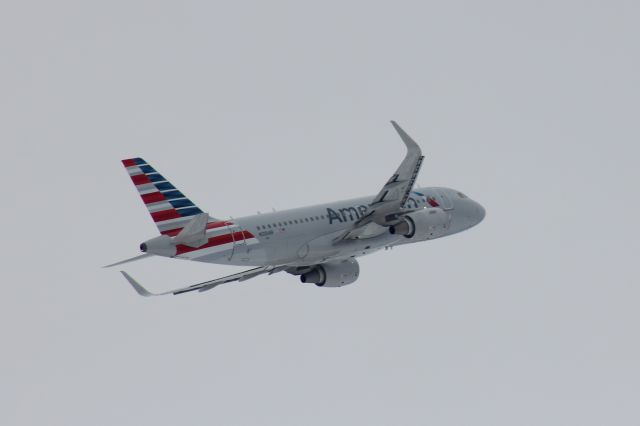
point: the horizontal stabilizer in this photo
(131, 259)
(193, 234)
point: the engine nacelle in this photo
(423, 224)
(333, 274)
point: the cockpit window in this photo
(461, 195)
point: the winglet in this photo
(410, 143)
(136, 286)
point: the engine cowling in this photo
(333, 274)
(423, 224)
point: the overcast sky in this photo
(531, 108)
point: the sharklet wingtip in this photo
(136, 286)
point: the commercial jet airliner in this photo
(320, 243)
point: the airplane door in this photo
(239, 244)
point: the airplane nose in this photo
(481, 213)
(466, 214)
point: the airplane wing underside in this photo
(388, 205)
(206, 285)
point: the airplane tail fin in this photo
(170, 209)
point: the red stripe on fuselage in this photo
(213, 225)
(214, 241)
(210, 225)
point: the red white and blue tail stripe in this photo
(171, 211)
(169, 208)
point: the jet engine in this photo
(423, 224)
(333, 274)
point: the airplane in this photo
(320, 243)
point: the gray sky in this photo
(529, 107)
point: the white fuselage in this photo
(319, 243)
(310, 235)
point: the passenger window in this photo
(296, 221)
(306, 219)
(268, 225)
(317, 218)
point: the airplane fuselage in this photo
(307, 235)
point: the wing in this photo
(388, 204)
(207, 285)
(396, 191)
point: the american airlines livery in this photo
(319, 243)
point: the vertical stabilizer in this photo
(169, 208)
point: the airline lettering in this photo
(346, 214)
(352, 213)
